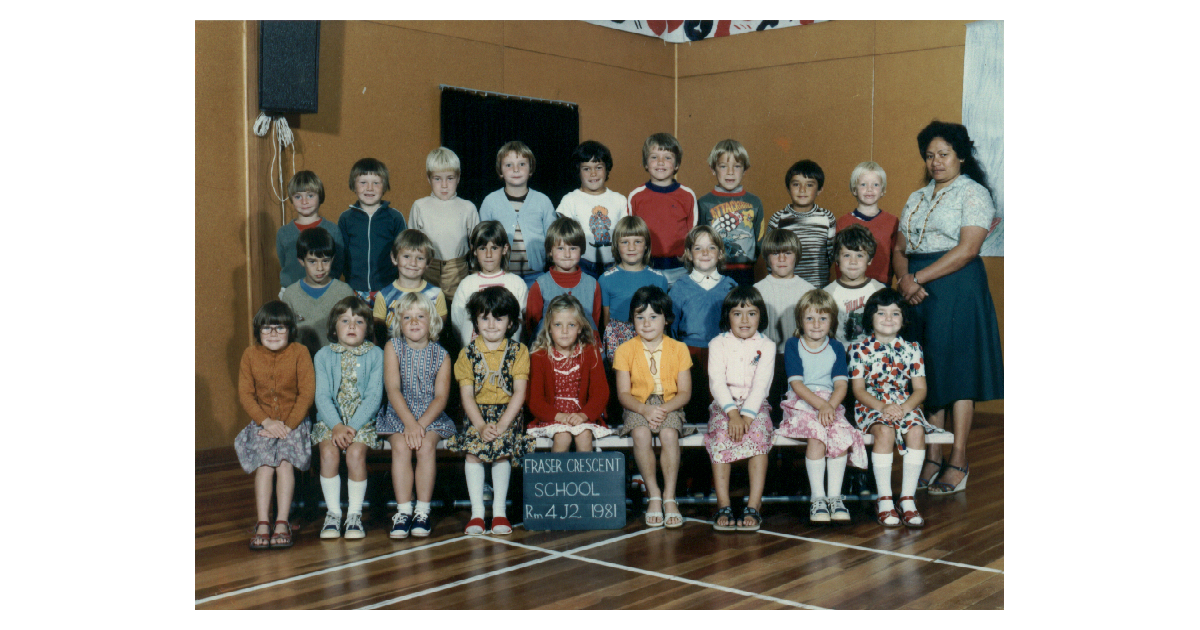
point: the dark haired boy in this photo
(314, 295)
(596, 207)
(813, 225)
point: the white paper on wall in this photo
(983, 114)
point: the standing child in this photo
(411, 252)
(565, 241)
(313, 297)
(653, 384)
(349, 389)
(568, 391)
(489, 260)
(741, 363)
(493, 376)
(446, 218)
(667, 207)
(855, 249)
(275, 386)
(306, 193)
(812, 410)
(813, 225)
(416, 378)
(525, 213)
(868, 182)
(882, 368)
(595, 206)
(735, 214)
(631, 246)
(781, 289)
(369, 226)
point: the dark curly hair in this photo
(744, 295)
(497, 302)
(956, 136)
(885, 297)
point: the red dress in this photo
(567, 384)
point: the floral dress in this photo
(887, 371)
(514, 443)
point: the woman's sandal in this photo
(941, 488)
(883, 516)
(730, 523)
(674, 520)
(923, 483)
(654, 519)
(752, 514)
(259, 541)
(912, 519)
(282, 540)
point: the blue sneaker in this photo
(401, 523)
(420, 525)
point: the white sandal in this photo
(676, 524)
(658, 515)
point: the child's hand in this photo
(655, 416)
(892, 411)
(414, 435)
(342, 436)
(738, 424)
(275, 429)
(577, 419)
(564, 418)
(490, 432)
(825, 414)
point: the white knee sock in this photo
(816, 476)
(882, 463)
(837, 471)
(355, 491)
(331, 487)
(474, 472)
(501, 472)
(911, 470)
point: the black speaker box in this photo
(288, 52)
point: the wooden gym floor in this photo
(955, 562)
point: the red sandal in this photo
(883, 516)
(912, 518)
(281, 540)
(259, 541)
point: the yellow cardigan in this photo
(631, 357)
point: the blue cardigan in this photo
(698, 312)
(535, 217)
(328, 368)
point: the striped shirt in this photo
(815, 229)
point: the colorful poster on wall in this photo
(983, 114)
(683, 31)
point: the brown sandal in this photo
(259, 541)
(884, 517)
(912, 519)
(282, 540)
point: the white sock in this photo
(404, 508)
(911, 470)
(816, 476)
(501, 472)
(355, 491)
(837, 471)
(882, 463)
(331, 487)
(423, 507)
(474, 474)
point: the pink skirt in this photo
(800, 422)
(756, 440)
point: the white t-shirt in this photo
(596, 213)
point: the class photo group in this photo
(480, 330)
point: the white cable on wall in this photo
(281, 135)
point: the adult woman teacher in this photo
(936, 259)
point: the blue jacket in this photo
(367, 245)
(328, 368)
(537, 213)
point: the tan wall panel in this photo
(222, 313)
(485, 31)
(795, 44)
(895, 36)
(621, 118)
(589, 42)
(786, 123)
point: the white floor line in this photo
(340, 567)
(570, 556)
(882, 551)
(484, 576)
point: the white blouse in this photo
(932, 223)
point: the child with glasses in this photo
(275, 386)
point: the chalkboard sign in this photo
(574, 491)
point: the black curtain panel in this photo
(476, 124)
